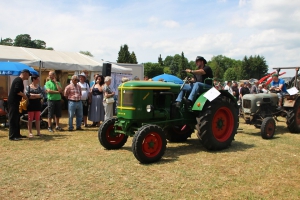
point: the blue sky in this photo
(207, 28)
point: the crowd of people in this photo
(86, 101)
(277, 86)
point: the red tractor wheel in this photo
(217, 124)
(268, 127)
(107, 136)
(149, 144)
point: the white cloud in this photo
(171, 24)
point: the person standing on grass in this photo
(14, 98)
(34, 94)
(108, 93)
(85, 90)
(73, 94)
(96, 112)
(54, 90)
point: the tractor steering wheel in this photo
(187, 79)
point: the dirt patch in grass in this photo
(69, 165)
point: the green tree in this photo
(192, 65)
(167, 70)
(7, 42)
(168, 61)
(174, 68)
(39, 44)
(24, 40)
(133, 58)
(86, 53)
(124, 54)
(182, 66)
(230, 74)
(152, 69)
(254, 67)
(160, 60)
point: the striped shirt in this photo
(73, 92)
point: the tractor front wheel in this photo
(217, 124)
(268, 127)
(149, 144)
(107, 136)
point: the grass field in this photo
(73, 165)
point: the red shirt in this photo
(73, 92)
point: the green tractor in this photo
(147, 111)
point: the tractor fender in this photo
(201, 100)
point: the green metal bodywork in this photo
(135, 96)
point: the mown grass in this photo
(73, 165)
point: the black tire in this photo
(293, 118)
(175, 134)
(107, 136)
(217, 124)
(268, 127)
(149, 144)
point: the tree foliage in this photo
(160, 60)
(133, 58)
(86, 53)
(24, 40)
(124, 56)
(7, 42)
(168, 61)
(230, 74)
(152, 69)
(254, 67)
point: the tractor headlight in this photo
(258, 103)
(239, 103)
(149, 108)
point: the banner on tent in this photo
(117, 80)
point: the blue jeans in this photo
(194, 89)
(75, 108)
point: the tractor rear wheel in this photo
(107, 136)
(178, 133)
(268, 127)
(293, 119)
(217, 124)
(149, 144)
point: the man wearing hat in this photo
(85, 90)
(278, 85)
(204, 77)
(16, 94)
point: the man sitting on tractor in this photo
(278, 85)
(202, 73)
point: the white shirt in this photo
(227, 87)
(85, 89)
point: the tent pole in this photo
(40, 72)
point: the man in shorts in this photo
(53, 89)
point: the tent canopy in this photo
(56, 60)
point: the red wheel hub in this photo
(270, 128)
(152, 144)
(112, 137)
(222, 124)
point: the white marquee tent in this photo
(55, 60)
